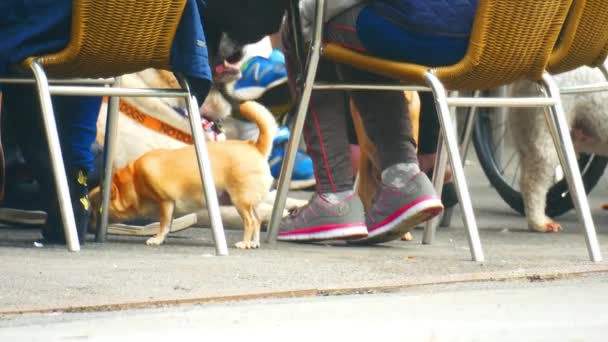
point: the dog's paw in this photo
(547, 227)
(407, 237)
(155, 241)
(552, 227)
(247, 245)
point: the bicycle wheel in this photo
(500, 163)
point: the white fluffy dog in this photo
(587, 116)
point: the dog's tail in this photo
(262, 117)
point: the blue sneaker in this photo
(303, 171)
(260, 75)
(277, 56)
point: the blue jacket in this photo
(448, 18)
(33, 27)
(428, 32)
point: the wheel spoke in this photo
(513, 155)
(515, 175)
(500, 142)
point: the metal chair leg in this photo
(467, 133)
(465, 144)
(451, 142)
(290, 156)
(61, 182)
(440, 168)
(560, 132)
(446, 219)
(441, 162)
(202, 156)
(296, 132)
(108, 159)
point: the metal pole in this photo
(61, 183)
(91, 81)
(469, 124)
(441, 162)
(294, 141)
(202, 156)
(558, 126)
(111, 135)
(127, 92)
(369, 86)
(451, 142)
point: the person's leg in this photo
(384, 113)
(76, 121)
(334, 212)
(326, 136)
(406, 196)
(427, 147)
(429, 124)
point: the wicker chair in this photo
(583, 42)
(510, 41)
(108, 39)
(584, 38)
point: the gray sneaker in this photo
(321, 220)
(396, 210)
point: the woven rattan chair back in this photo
(510, 40)
(115, 37)
(584, 38)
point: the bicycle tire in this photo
(558, 196)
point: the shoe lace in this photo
(293, 212)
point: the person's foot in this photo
(259, 75)
(303, 175)
(405, 198)
(53, 230)
(322, 219)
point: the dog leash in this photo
(164, 128)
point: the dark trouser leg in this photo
(325, 129)
(76, 121)
(384, 113)
(385, 117)
(325, 132)
(429, 124)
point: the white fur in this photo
(587, 116)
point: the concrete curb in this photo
(517, 275)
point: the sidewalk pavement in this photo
(488, 311)
(125, 273)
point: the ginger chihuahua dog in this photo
(167, 182)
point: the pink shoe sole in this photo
(403, 220)
(326, 232)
